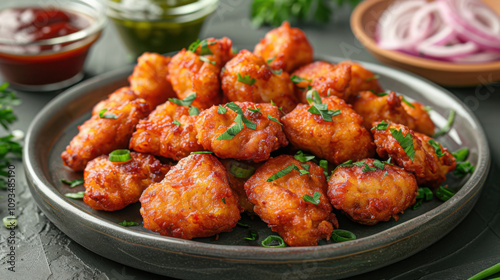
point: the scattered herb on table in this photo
(73, 183)
(128, 224)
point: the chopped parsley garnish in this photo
(204, 46)
(233, 130)
(204, 59)
(255, 109)
(73, 183)
(185, 102)
(282, 172)
(246, 79)
(379, 164)
(406, 142)
(271, 59)
(447, 127)
(318, 108)
(305, 170)
(224, 200)
(193, 111)
(296, 79)
(367, 168)
(437, 147)
(300, 156)
(221, 110)
(312, 95)
(176, 122)
(315, 199)
(77, 195)
(107, 116)
(128, 224)
(381, 125)
(324, 164)
(273, 119)
(239, 111)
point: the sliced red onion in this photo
(478, 57)
(452, 51)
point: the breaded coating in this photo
(375, 108)
(248, 144)
(368, 194)
(193, 200)
(115, 99)
(342, 139)
(112, 186)
(247, 77)
(149, 79)
(287, 48)
(199, 72)
(238, 173)
(328, 79)
(423, 122)
(280, 203)
(160, 136)
(362, 79)
(429, 169)
(100, 136)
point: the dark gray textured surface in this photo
(43, 252)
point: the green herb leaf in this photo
(204, 59)
(340, 235)
(463, 168)
(461, 155)
(277, 72)
(128, 224)
(326, 115)
(246, 79)
(324, 164)
(406, 142)
(239, 111)
(185, 102)
(107, 116)
(315, 199)
(176, 122)
(486, 273)
(255, 109)
(312, 95)
(242, 225)
(274, 119)
(379, 164)
(120, 155)
(283, 172)
(193, 111)
(232, 131)
(73, 183)
(383, 125)
(204, 46)
(272, 239)
(253, 235)
(201, 152)
(367, 168)
(296, 79)
(221, 110)
(77, 195)
(437, 147)
(300, 156)
(444, 194)
(271, 59)
(280, 108)
(447, 127)
(224, 200)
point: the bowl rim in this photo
(99, 20)
(360, 32)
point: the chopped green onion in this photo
(447, 127)
(255, 109)
(233, 106)
(374, 77)
(120, 155)
(108, 116)
(185, 102)
(327, 115)
(367, 168)
(193, 111)
(274, 119)
(417, 204)
(425, 193)
(241, 170)
(486, 273)
(253, 235)
(406, 142)
(444, 194)
(224, 200)
(273, 238)
(271, 59)
(201, 152)
(77, 195)
(221, 110)
(232, 131)
(73, 183)
(277, 72)
(204, 46)
(461, 155)
(242, 225)
(296, 79)
(9, 222)
(383, 125)
(300, 156)
(315, 199)
(128, 224)
(204, 59)
(463, 168)
(176, 122)
(380, 94)
(282, 172)
(346, 164)
(246, 79)
(340, 235)
(437, 147)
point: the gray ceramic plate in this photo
(231, 256)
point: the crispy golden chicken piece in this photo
(149, 79)
(280, 203)
(369, 194)
(362, 79)
(168, 132)
(248, 144)
(100, 136)
(112, 186)
(328, 79)
(344, 138)
(247, 77)
(423, 122)
(287, 48)
(193, 200)
(421, 158)
(115, 99)
(199, 72)
(238, 173)
(377, 108)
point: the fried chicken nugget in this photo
(115, 99)
(160, 136)
(287, 48)
(199, 72)
(362, 79)
(280, 203)
(423, 122)
(377, 108)
(344, 138)
(328, 79)
(193, 200)
(112, 186)
(149, 79)
(369, 194)
(99, 136)
(247, 77)
(248, 144)
(428, 167)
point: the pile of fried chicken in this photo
(213, 133)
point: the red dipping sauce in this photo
(37, 49)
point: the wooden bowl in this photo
(363, 23)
